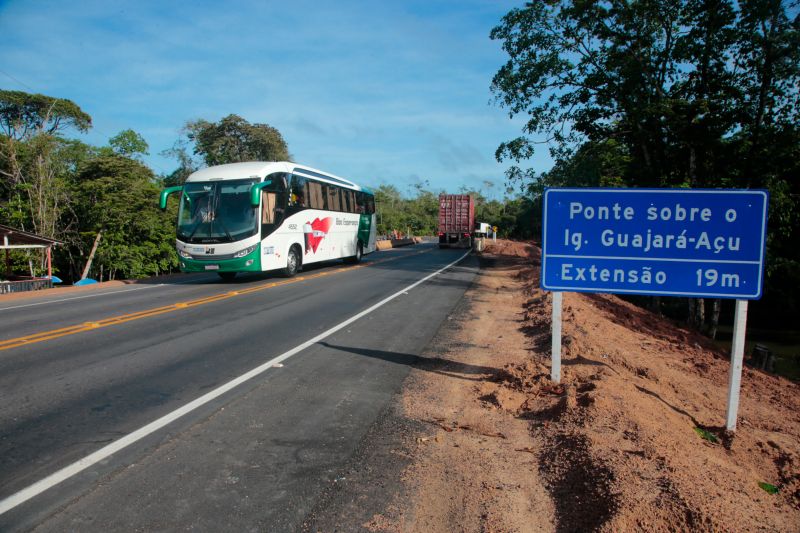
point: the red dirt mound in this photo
(631, 440)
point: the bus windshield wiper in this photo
(194, 230)
(227, 233)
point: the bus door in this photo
(273, 204)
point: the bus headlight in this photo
(246, 251)
(184, 254)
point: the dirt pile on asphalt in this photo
(632, 439)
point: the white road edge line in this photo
(103, 453)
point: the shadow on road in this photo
(436, 365)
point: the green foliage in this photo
(521, 211)
(128, 143)
(389, 207)
(36, 192)
(33, 192)
(116, 195)
(771, 489)
(419, 214)
(23, 114)
(233, 140)
(40, 198)
(707, 435)
(186, 164)
(70, 191)
(687, 93)
(676, 85)
(514, 217)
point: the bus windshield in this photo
(216, 211)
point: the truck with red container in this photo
(456, 220)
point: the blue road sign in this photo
(673, 242)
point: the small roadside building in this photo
(14, 239)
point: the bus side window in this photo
(273, 202)
(370, 204)
(297, 197)
(316, 195)
(324, 196)
(347, 205)
(333, 198)
(268, 203)
(361, 202)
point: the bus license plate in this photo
(212, 267)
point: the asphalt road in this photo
(80, 374)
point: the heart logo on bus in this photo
(315, 232)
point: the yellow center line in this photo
(121, 319)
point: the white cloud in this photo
(393, 90)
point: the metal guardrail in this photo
(25, 285)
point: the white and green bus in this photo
(253, 217)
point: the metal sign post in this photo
(555, 353)
(696, 243)
(737, 359)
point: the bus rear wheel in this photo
(227, 276)
(292, 263)
(356, 258)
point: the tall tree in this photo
(116, 196)
(233, 139)
(670, 81)
(186, 163)
(698, 93)
(128, 143)
(389, 209)
(29, 147)
(23, 115)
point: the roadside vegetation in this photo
(693, 93)
(689, 93)
(55, 185)
(417, 213)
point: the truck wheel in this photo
(292, 263)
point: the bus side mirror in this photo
(165, 194)
(255, 192)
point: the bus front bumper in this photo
(249, 263)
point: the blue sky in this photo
(379, 92)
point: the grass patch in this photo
(707, 435)
(772, 489)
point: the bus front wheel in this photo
(292, 263)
